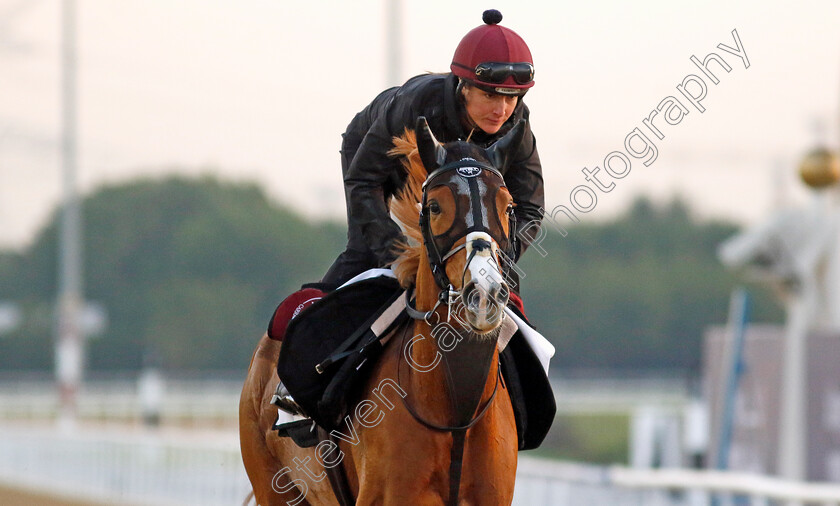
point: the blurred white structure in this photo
(9, 317)
(797, 251)
(151, 390)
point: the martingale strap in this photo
(437, 260)
(459, 432)
(456, 463)
(336, 475)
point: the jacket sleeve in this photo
(370, 170)
(525, 183)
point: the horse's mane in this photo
(405, 209)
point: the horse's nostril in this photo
(476, 298)
(502, 294)
(471, 295)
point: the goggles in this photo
(497, 73)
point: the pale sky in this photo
(262, 90)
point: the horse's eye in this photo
(434, 207)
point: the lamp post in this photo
(819, 170)
(393, 42)
(69, 340)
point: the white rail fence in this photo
(560, 483)
(131, 468)
(178, 469)
(118, 398)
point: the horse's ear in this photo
(502, 150)
(432, 153)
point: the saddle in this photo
(331, 344)
(329, 347)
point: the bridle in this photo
(440, 248)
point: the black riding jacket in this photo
(371, 176)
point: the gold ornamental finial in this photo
(820, 168)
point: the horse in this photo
(435, 424)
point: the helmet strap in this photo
(470, 135)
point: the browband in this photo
(464, 162)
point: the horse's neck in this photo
(464, 373)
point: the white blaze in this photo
(488, 280)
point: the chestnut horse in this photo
(435, 424)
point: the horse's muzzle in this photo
(486, 293)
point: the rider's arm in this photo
(524, 181)
(369, 172)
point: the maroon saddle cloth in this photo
(290, 308)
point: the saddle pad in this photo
(530, 390)
(321, 329)
(289, 309)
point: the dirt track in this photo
(20, 497)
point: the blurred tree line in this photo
(636, 292)
(190, 270)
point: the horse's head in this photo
(465, 216)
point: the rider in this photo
(479, 101)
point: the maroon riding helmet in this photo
(494, 58)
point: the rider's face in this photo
(488, 111)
